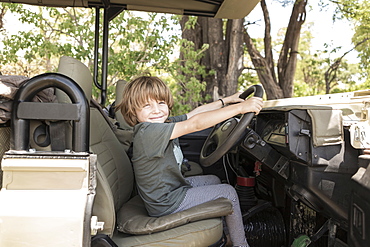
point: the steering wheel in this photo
(224, 137)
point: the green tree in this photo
(53, 32)
(310, 67)
(137, 45)
(358, 12)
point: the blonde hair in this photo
(140, 91)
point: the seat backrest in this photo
(77, 71)
(115, 174)
(120, 85)
(81, 74)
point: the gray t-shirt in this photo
(156, 164)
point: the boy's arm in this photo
(215, 105)
(210, 118)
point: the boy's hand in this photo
(233, 98)
(253, 104)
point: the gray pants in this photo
(207, 188)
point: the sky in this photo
(338, 33)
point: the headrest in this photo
(77, 71)
(120, 84)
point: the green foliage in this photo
(312, 66)
(138, 44)
(358, 12)
(310, 75)
(187, 89)
(192, 21)
(54, 32)
(246, 80)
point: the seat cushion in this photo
(133, 218)
(195, 170)
(199, 233)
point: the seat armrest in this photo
(133, 218)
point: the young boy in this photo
(157, 157)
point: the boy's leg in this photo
(203, 180)
(198, 195)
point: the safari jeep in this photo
(301, 170)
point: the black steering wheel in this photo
(224, 137)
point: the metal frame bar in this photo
(110, 12)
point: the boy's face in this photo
(153, 111)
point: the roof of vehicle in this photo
(230, 9)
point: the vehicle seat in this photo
(115, 194)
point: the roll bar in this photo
(24, 110)
(110, 12)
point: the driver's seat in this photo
(116, 203)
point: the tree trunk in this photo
(2, 14)
(264, 71)
(224, 56)
(234, 38)
(215, 57)
(288, 56)
(283, 87)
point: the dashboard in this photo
(275, 133)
